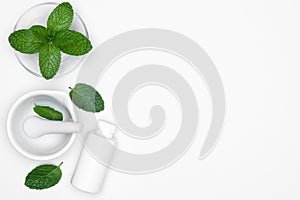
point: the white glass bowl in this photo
(38, 15)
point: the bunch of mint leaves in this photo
(50, 41)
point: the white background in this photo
(255, 45)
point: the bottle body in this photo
(89, 175)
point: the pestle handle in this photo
(35, 127)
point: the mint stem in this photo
(60, 164)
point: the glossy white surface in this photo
(255, 45)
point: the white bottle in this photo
(89, 174)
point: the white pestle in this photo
(35, 127)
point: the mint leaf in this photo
(43, 177)
(60, 18)
(49, 60)
(87, 98)
(40, 32)
(48, 113)
(26, 41)
(72, 42)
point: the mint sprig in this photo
(50, 41)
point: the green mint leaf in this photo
(87, 98)
(27, 41)
(43, 177)
(40, 31)
(60, 18)
(48, 113)
(72, 42)
(49, 60)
